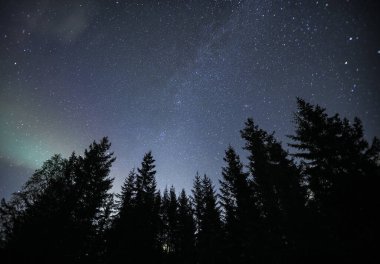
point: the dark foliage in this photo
(239, 214)
(59, 214)
(316, 205)
(209, 229)
(134, 235)
(342, 172)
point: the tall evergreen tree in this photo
(278, 191)
(157, 223)
(186, 230)
(209, 230)
(92, 193)
(236, 201)
(147, 246)
(197, 200)
(128, 193)
(164, 215)
(134, 236)
(173, 220)
(342, 173)
(169, 216)
(120, 237)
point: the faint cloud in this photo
(63, 23)
(72, 26)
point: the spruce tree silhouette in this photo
(128, 193)
(209, 230)
(197, 201)
(342, 173)
(120, 236)
(169, 217)
(186, 230)
(92, 183)
(146, 247)
(135, 233)
(164, 236)
(276, 183)
(173, 221)
(236, 201)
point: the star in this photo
(178, 78)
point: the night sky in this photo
(176, 77)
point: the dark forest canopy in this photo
(270, 210)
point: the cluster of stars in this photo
(176, 78)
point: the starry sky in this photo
(175, 77)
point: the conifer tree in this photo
(169, 216)
(120, 237)
(173, 220)
(164, 230)
(157, 224)
(197, 200)
(209, 231)
(236, 201)
(134, 236)
(342, 173)
(186, 230)
(92, 183)
(147, 211)
(128, 193)
(277, 189)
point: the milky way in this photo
(175, 77)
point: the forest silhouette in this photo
(316, 204)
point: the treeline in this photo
(317, 204)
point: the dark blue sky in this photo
(175, 77)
